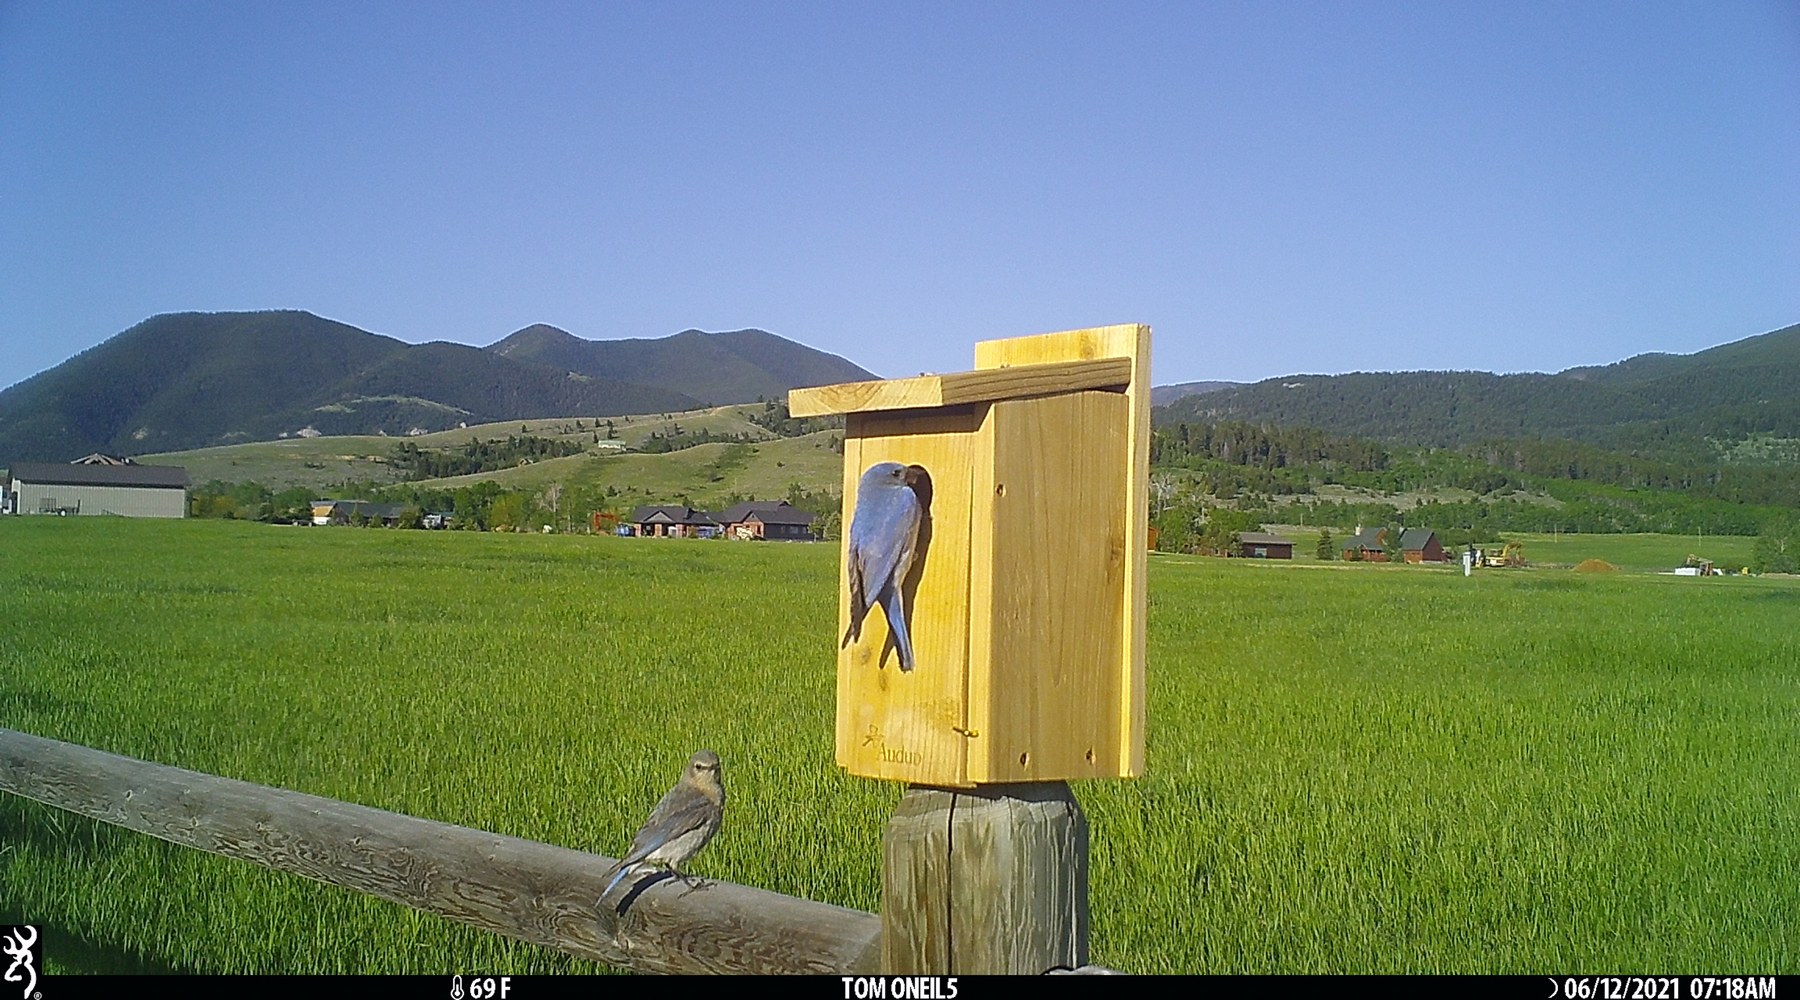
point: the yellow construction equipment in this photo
(1696, 566)
(1510, 556)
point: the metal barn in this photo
(125, 490)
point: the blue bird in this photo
(883, 533)
(681, 824)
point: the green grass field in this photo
(1638, 553)
(1351, 768)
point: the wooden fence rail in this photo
(520, 888)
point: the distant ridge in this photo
(713, 368)
(1163, 395)
(190, 380)
(1650, 404)
(1781, 347)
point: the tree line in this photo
(479, 456)
(481, 506)
(1274, 472)
(1263, 447)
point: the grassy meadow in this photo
(1351, 768)
(704, 473)
(764, 468)
(1638, 553)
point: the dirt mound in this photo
(1595, 566)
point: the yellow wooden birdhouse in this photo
(1025, 599)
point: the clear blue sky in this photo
(1276, 188)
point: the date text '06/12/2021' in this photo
(1662, 988)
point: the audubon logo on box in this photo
(20, 945)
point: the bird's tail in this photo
(622, 870)
(895, 607)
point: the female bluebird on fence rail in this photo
(883, 532)
(681, 824)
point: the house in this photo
(355, 512)
(97, 487)
(1261, 545)
(767, 519)
(672, 521)
(735, 514)
(776, 519)
(1417, 545)
(1364, 546)
(1421, 545)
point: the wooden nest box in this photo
(1025, 600)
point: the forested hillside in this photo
(1680, 408)
(1307, 476)
(1707, 442)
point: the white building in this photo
(126, 490)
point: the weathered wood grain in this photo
(915, 884)
(988, 881)
(535, 892)
(958, 388)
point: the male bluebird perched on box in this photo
(681, 824)
(883, 532)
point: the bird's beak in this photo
(914, 473)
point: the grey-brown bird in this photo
(681, 824)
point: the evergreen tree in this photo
(1390, 543)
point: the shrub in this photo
(1777, 549)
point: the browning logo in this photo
(20, 944)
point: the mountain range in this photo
(1674, 406)
(190, 380)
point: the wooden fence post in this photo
(987, 880)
